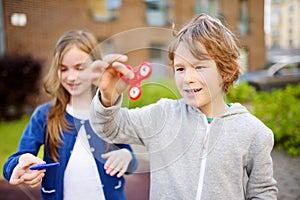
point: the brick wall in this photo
(47, 20)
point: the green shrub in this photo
(278, 109)
(19, 80)
(242, 93)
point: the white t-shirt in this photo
(81, 179)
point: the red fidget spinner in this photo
(142, 72)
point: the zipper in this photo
(203, 163)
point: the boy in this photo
(200, 147)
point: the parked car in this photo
(279, 75)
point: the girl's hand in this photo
(22, 173)
(117, 162)
(106, 76)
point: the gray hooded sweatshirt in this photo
(230, 159)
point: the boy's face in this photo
(198, 81)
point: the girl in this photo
(89, 168)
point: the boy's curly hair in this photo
(220, 43)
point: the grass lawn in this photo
(10, 134)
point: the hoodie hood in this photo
(235, 109)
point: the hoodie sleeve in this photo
(261, 184)
(121, 125)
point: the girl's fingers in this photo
(32, 174)
(16, 180)
(121, 173)
(114, 169)
(117, 162)
(118, 169)
(33, 182)
(17, 173)
(21, 171)
(117, 165)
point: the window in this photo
(291, 8)
(210, 7)
(243, 60)
(157, 12)
(276, 16)
(18, 19)
(104, 10)
(243, 26)
(275, 45)
(291, 45)
(276, 32)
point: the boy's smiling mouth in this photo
(196, 90)
(193, 90)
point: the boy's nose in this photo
(190, 75)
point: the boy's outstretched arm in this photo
(106, 76)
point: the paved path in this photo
(286, 172)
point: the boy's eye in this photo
(179, 69)
(199, 67)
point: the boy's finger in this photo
(121, 68)
(99, 66)
(115, 57)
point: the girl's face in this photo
(75, 74)
(198, 81)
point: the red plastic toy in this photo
(142, 72)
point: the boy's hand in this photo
(22, 173)
(117, 161)
(106, 76)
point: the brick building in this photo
(139, 28)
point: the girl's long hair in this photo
(57, 122)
